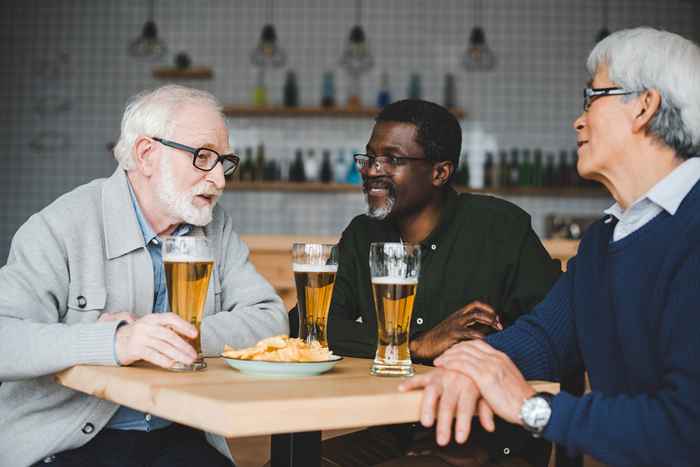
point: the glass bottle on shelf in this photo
(260, 91)
(247, 168)
(291, 90)
(503, 168)
(326, 167)
(537, 176)
(353, 176)
(462, 175)
(296, 169)
(328, 91)
(525, 170)
(384, 95)
(488, 171)
(549, 178)
(513, 168)
(449, 92)
(563, 170)
(340, 167)
(259, 169)
(312, 166)
(415, 89)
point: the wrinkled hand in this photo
(156, 338)
(119, 316)
(473, 321)
(450, 395)
(498, 379)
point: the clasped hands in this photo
(156, 338)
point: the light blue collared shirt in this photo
(125, 418)
(666, 195)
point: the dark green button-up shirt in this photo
(483, 248)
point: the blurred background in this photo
(301, 80)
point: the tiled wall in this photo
(70, 55)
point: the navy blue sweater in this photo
(629, 312)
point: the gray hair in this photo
(645, 58)
(152, 113)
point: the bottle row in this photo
(507, 169)
(525, 168)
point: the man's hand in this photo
(496, 376)
(156, 339)
(450, 395)
(473, 321)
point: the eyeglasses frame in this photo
(195, 151)
(590, 94)
(372, 160)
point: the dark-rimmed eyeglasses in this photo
(387, 163)
(205, 158)
(591, 94)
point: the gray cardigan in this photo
(88, 244)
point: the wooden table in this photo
(223, 401)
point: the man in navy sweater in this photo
(628, 307)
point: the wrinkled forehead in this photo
(200, 125)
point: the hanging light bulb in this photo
(357, 58)
(268, 53)
(148, 45)
(478, 56)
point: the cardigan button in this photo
(506, 451)
(88, 428)
(419, 321)
(433, 247)
(82, 302)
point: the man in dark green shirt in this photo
(482, 265)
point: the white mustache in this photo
(206, 189)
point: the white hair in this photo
(644, 58)
(151, 113)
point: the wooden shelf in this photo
(306, 112)
(200, 72)
(318, 187)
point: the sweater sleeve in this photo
(660, 427)
(346, 335)
(34, 340)
(543, 343)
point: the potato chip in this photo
(281, 349)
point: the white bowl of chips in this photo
(281, 356)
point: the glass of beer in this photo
(315, 266)
(188, 264)
(394, 268)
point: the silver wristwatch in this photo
(535, 413)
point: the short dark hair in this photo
(437, 130)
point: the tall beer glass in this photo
(188, 264)
(394, 268)
(315, 266)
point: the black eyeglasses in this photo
(204, 158)
(387, 163)
(591, 94)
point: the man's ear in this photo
(442, 171)
(144, 155)
(646, 107)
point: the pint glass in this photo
(188, 264)
(394, 268)
(315, 266)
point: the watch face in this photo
(536, 412)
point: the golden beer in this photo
(314, 285)
(393, 298)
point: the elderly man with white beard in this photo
(84, 284)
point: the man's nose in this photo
(579, 123)
(375, 168)
(216, 176)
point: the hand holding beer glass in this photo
(315, 266)
(188, 264)
(394, 268)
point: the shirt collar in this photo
(670, 191)
(448, 213)
(148, 233)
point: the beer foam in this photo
(395, 280)
(187, 259)
(296, 267)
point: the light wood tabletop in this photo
(223, 401)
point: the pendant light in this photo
(357, 58)
(604, 31)
(478, 56)
(268, 53)
(148, 45)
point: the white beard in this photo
(180, 205)
(381, 212)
